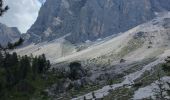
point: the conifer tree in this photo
(1, 59)
(1, 47)
(14, 58)
(19, 42)
(10, 45)
(24, 67)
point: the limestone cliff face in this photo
(8, 34)
(92, 19)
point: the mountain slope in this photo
(142, 49)
(8, 34)
(53, 49)
(156, 35)
(144, 41)
(91, 19)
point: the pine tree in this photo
(48, 65)
(9, 78)
(75, 67)
(10, 45)
(1, 48)
(1, 59)
(7, 60)
(18, 43)
(14, 59)
(34, 67)
(25, 67)
(41, 64)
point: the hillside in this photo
(89, 50)
(140, 42)
(112, 64)
(152, 43)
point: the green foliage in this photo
(10, 45)
(17, 43)
(76, 71)
(166, 66)
(20, 76)
(120, 94)
(160, 93)
(132, 45)
(1, 47)
(74, 66)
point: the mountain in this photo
(116, 63)
(146, 43)
(142, 40)
(8, 34)
(53, 49)
(92, 19)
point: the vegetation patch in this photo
(149, 77)
(22, 78)
(139, 65)
(120, 94)
(132, 45)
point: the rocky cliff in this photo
(8, 34)
(92, 19)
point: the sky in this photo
(22, 13)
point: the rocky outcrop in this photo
(8, 34)
(92, 19)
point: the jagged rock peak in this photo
(92, 19)
(8, 34)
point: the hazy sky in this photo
(22, 13)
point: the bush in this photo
(76, 71)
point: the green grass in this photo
(88, 88)
(120, 94)
(115, 81)
(75, 93)
(149, 77)
(139, 65)
(146, 79)
(132, 45)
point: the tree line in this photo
(21, 74)
(14, 68)
(17, 43)
(20, 71)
